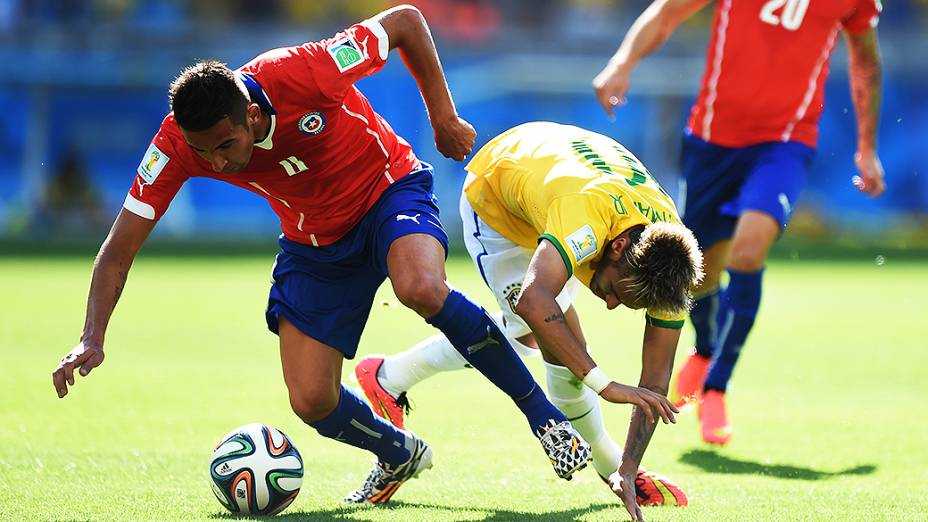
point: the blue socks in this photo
(474, 334)
(737, 310)
(353, 422)
(703, 315)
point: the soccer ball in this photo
(256, 470)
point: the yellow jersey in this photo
(574, 187)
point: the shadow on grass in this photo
(713, 462)
(347, 512)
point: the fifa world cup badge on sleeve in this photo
(583, 243)
(152, 164)
(346, 52)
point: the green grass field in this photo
(825, 404)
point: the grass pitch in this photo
(825, 404)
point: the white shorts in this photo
(503, 265)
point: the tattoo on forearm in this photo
(120, 284)
(639, 438)
(556, 318)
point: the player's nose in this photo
(218, 163)
(611, 301)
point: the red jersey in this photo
(327, 156)
(766, 67)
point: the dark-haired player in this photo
(355, 205)
(547, 207)
(748, 146)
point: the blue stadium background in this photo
(83, 87)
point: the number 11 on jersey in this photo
(293, 165)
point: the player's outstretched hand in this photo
(610, 85)
(624, 487)
(650, 402)
(871, 173)
(455, 138)
(83, 356)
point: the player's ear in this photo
(617, 247)
(253, 114)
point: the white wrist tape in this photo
(597, 380)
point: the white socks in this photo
(402, 371)
(581, 406)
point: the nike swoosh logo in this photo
(386, 412)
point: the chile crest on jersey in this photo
(311, 123)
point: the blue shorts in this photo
(720, 183)
(327, 292)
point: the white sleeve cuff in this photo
(138, 208)
(383, 41)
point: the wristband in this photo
(597, 380)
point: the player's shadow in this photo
(349, 512)
(713, 462)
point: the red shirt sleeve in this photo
(160, 175)
(338, 62)
(866, 15)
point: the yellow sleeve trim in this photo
(663, 323)
(560, 249)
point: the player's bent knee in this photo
(426, 295)
(748, 259)
(313, 404)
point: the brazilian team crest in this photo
(511, 294)
(312, 123)
(346, 52)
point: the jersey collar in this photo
(268, 142)
(257, 94)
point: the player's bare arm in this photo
(110, 271)
(866, 91)
(652, 28)
(408, 31)
(657, 354)
(537, 305)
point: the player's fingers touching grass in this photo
(80, 357)
(624, 486)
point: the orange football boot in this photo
(652, 489)
(712, 417)
(688, 385)
(387, 406)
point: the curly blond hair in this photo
(662, 266)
